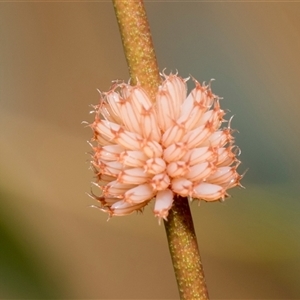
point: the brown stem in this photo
(184, 251)
(137, 43)
(141, 60)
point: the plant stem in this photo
(184, 251)
(137, 43)
(141, 60)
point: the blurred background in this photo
(53, 57)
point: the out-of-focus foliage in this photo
(22, 275)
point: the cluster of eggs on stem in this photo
(144, 151)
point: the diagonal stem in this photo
(137, 43)
(142, 64)
(184, 251)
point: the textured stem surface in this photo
(137, 43)
(141, 60)
(184, 251)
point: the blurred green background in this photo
(53, 57)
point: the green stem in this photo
(142, 64)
